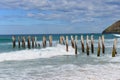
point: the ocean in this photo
(54, 63)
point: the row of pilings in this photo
(32, 42)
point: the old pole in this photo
(44, 42)
(23, 42)
(87, 45)
(99, 47)
(92, 44)
(63, 40)
(18, 42)
(29, 42)
(60, 40)
(72, 42)
(67, 43)
(33, 42)
(103, 46)
(76, 39)
(50, 40)
(14, 41)
(82, 43)
(75, 47)
(114, 52)
(39, 45)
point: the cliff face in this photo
(114, 28)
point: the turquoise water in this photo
(6, 41)
(54, 63)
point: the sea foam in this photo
(48, 52)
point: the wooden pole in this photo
(14, 41)
(18, 42)
(23, 42)
(39, 45)
(63, 40)
(115, 45)
(50, 40)
(114, 52)
(44, 41)
(103, 46)
(87, 45)
(72, 42)
(82, 43)
(29, 42)
(75, 47)
(60, 41)
(76, 39)
(92, 44)
(67, 43)
(99, 47)
(33, 41)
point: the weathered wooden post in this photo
(14, 41)
(29, 42)
(44, 42)
(115, 45)
(67, 43)
(18, 42)
(114, 52)
(76, 39)
(92, 44)
(60, 40)
(87, 45)
(75, 47)
(39, 45)
(75, 44)
(99, 47)
(72, 42)
(33, 42)
(63, 40)
(103, 46)
(23, 42)
(82, 43)
(50, 40)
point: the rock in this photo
(114, 28)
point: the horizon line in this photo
(48, 33)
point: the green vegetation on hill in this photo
(114, 28)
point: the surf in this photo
(117, 35)
(27, 54)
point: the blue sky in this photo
(57, 16)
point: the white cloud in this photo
(70, 10)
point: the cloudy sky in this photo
(57, 16)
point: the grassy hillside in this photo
(114, 28)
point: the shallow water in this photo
(54, 63)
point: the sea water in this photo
(54, 63)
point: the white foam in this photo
(37, 53)
(117, 35)
(75, 72)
